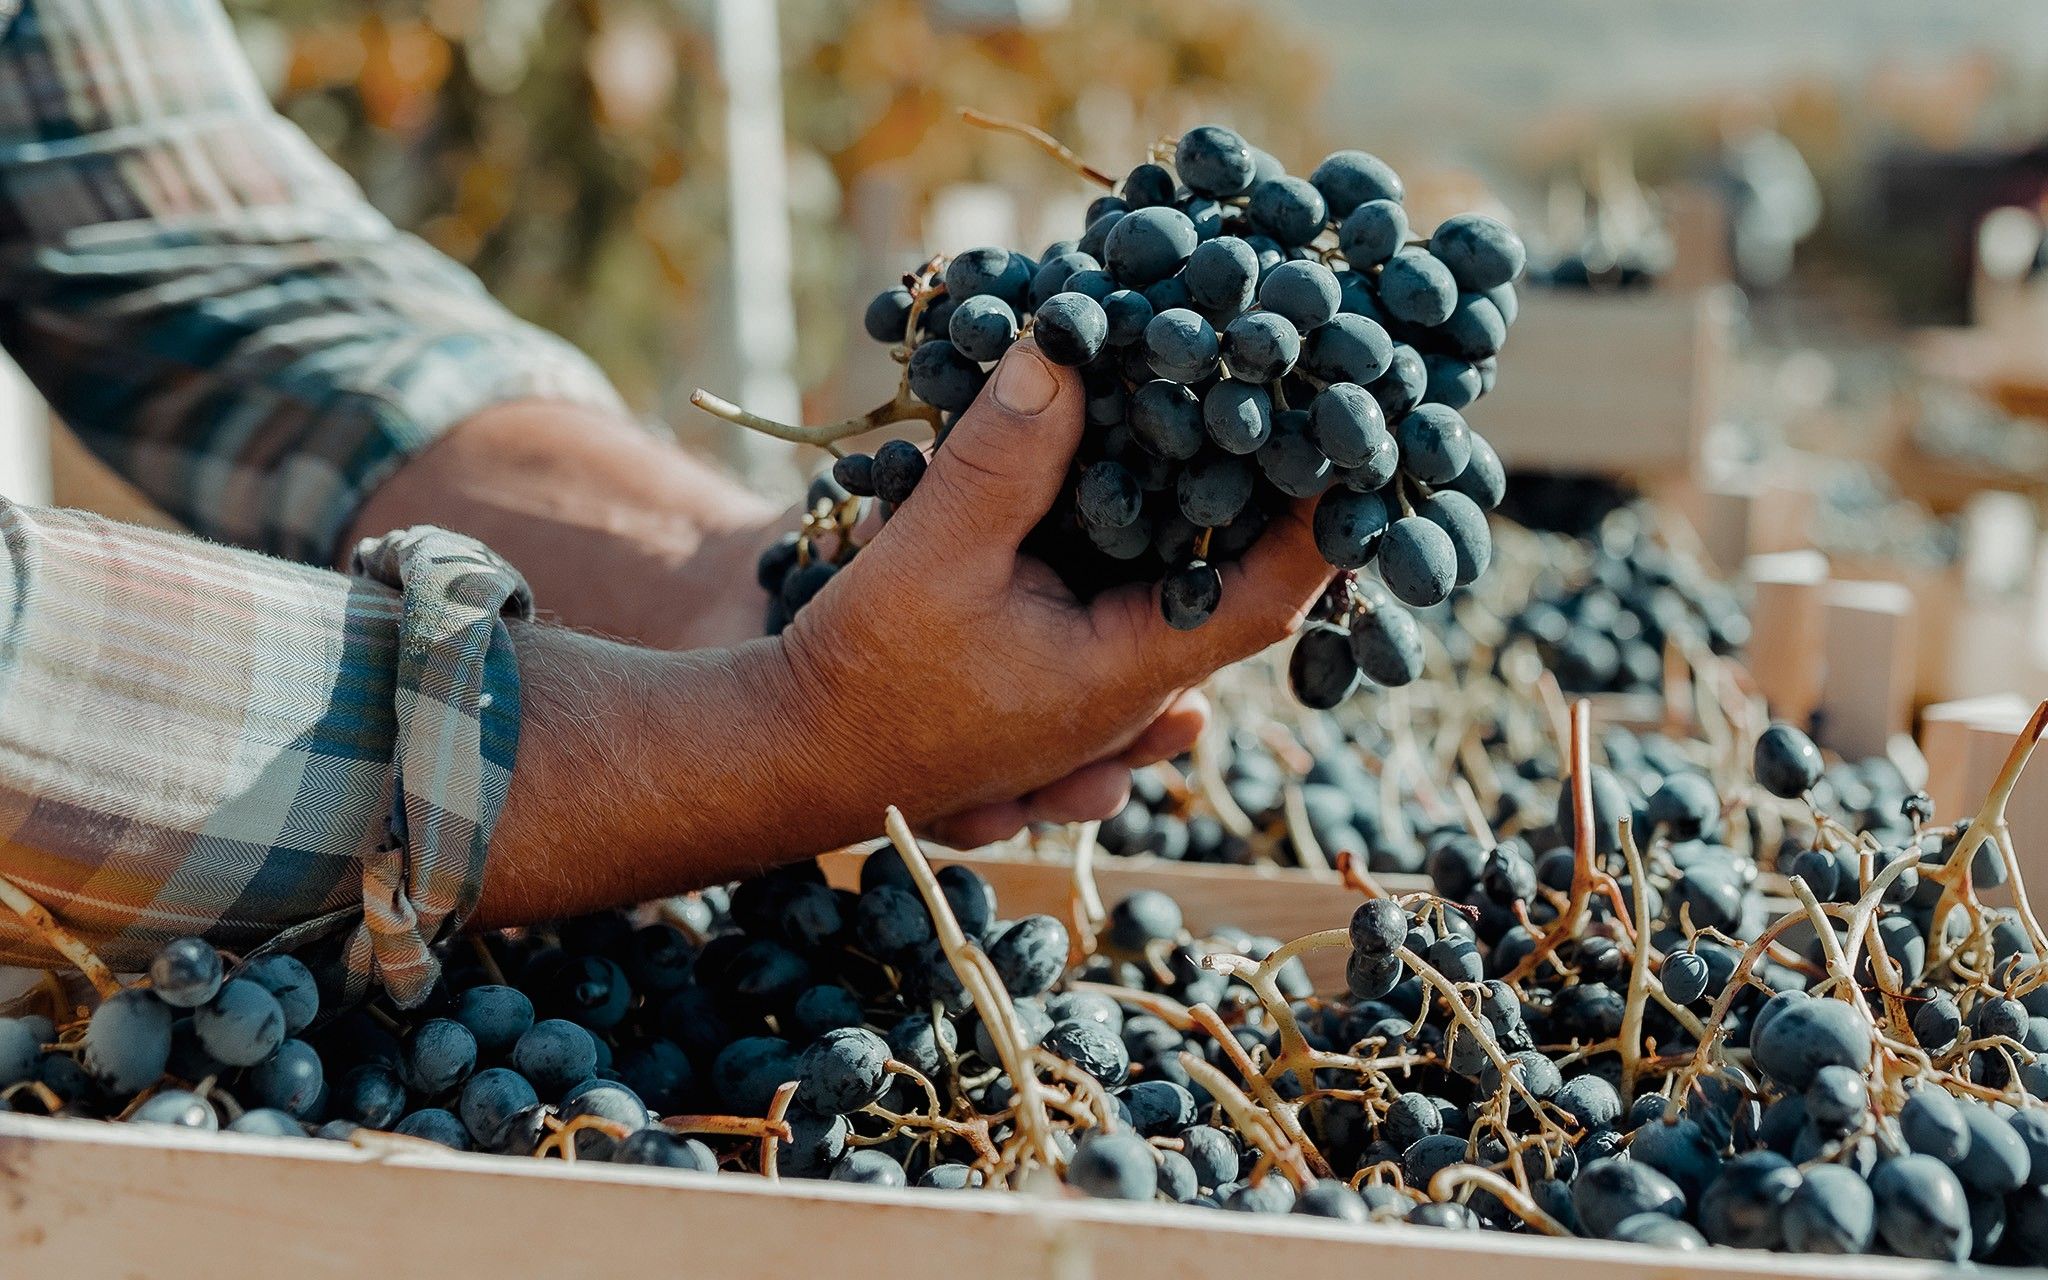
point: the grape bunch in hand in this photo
(1251, 343)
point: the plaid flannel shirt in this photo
(201, 740)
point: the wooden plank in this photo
(1786, 630)
(79, 1198)
(1867, 685)
(1608, 382)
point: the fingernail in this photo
(1025, 383)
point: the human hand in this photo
(965, 683)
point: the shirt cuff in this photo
(457, 718)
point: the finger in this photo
(1172, 733)
(1088, 794)
(1003, 462)
(984, 824)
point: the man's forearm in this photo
(619, 532)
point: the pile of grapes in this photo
(1248, 340)
(1602, 1027)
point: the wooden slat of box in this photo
(1608, 382)
(89, 1199)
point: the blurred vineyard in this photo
(571, 151)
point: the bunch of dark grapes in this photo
(1248, 339)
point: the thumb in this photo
(1003, 462)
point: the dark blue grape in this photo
(1387, 643)
(1347, 425)
(21, 1047)
(186, 973)
(943, 377)
(660, 1149)
(1997, 1161)
(1222, 275)
(370, 1095)
(242, 1025)
(1304, 293)
(1214, 161)
(1658, 1230)
(1465, 524)
(971, 896)
(1181, 345)
(1291, 460)
(1610, 1191)
(1213, 488)
(1259, 346)
(435, 1125)
(1321, 671)
(1474, 331)
(267, 1122)
(1148, 245)
(1096, 284)
(868, 1166)
(1417, 562)
(1274, 1195)
(1837, 1099)
(1214, 1155)
(1350, 348)
(1349, 526)
(1832, 1211)
(1937, 1022)
(1071, 328)
(658, 1071)
(1052, 276)
(1921, 1209)
(1808, 1035)
(1166, 418)
(491, 1100)
(842, 1071)
(1127, 312)
(1147, 185)
(1478, 251)
(1787, 763)
(179, 1109)
(1483, 480)
(1168, 295)
(922, 1043)
(556, 1055)
(1372, 233)
(1435, 443)
(1030, 956)
(1092, 1047)
(747, 1072)
(439, 1055)
(1417, 289)
(891, 922)
(1684, 975)
(887, 318)
(1159, 1108)
(1452, 382)
(1348, 179)
(290, 1080)
(1188, 596)
(987, 270)
(1745, 1206)
(1238, 416)
(855, 473)
(981, 328)
(1107, 495)
(1289, 210)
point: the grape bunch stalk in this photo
(1249, 340)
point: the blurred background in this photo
(1787, 271)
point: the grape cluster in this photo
(1248, 339)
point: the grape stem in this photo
(1046, 142)
(1579, 743)
(903, 408)
(61, 940)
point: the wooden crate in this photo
(1608, 382)
(102, 1200)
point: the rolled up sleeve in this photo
(201, 740)
(209, 302)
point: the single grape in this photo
(291, 984)
(887, 318)
(491, 1101)
(658, 1148)
(1166, 418)
(1147, 185)
(1222, 274)
(1148, 245)
(899, 465)
(21, 1047)
(1188, 597)
(1417, 562)
(1349, 179)
(855, 473)
(1181, 345)
(1030, 956)
(1214, 161)
(1372, 233)
(179, 1109)
(1937, 1022)
(1478, 251)
(1238, 416)
(1321, 670)
(1053, 274)
(1351, 348)
(435, 1125)
(1787, 763)
(267, 1122)
(1113, 1166)
(556, 1055)
(1348, 527)
(1483, 480)
(1096, 284)
(1387, 643)
(1291, 460)
(242, 1025)
(869, 1166)
(842, 1071)
(981, 328)
(1684, 975)
(1290, 210)
(186, 973)
(1259, 347)
(943, 377)
(891, 922)
(1347, 424)
(1415, 288)
(1071, 328)
(1607, 1192)
(987, 270)
(1452, 382)
(1831, 1212)
(1745, 1205)
(290, 1080)
(1461, 519)
(370, 1095)
(1213, 488)
(1127, 313)
(1921, 1209)
(1807, 1035)
(1474, 331)
(1435, 444)
(1092, 1047)
(1304, 293)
